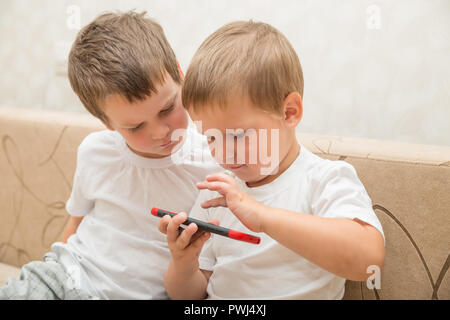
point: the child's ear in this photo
(293, 109)
(180, 71)
(107, 125)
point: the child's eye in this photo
(135, 128)
(167, 110)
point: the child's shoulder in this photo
(99, 140)
(322, 170)
(99, 145)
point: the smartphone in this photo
(233, 234)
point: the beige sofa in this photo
(409, 186)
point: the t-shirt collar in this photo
(280, 184)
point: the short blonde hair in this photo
(243, 58)
(119, 53)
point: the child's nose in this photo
(231, 151)
(159, 132)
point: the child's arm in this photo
(192, 287)
(183, 278)
(71, 227)
(342, 246)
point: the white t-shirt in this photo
(117, 251)
(311, 185)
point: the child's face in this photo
(255, 153)
(147, 125)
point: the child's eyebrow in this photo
(169, 102)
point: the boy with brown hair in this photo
(125, 73)
(316, 220)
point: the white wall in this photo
(376, 69)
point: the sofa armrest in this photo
(37, 163)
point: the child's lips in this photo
(235, 167)
(166, 144)
(171, 143)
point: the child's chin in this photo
(245, 176)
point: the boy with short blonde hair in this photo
(247, 59)
(126, 74)
(316, 220)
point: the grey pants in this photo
(43, 280)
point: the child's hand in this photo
(244, 207)
(185, 246)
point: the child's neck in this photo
(285, 163)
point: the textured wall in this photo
(374, 69)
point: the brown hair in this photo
(248, 58)
(119, 53)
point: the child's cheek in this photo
(138, 142)
(179, 119)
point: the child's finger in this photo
(197, 235)
(217, 202)
(201, 233)
(185, 237)
(200, 237)
(174, 224)
(221, 187)
(219, 177)
(163, 223)
(214, 221)
(198, 243)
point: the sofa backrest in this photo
(409, 186)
